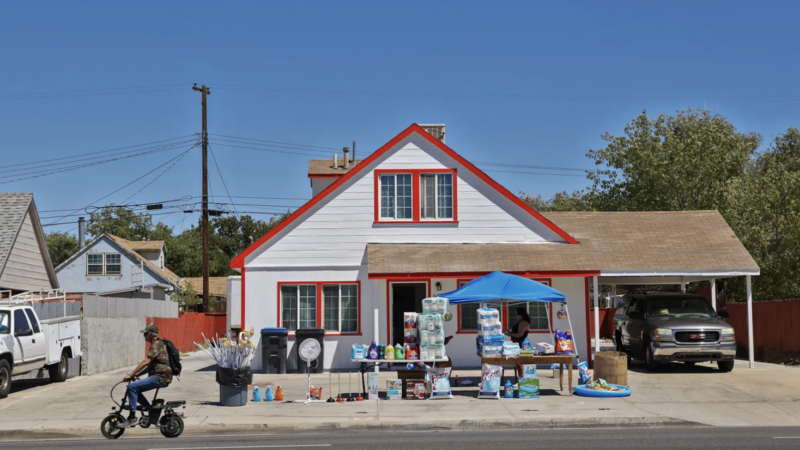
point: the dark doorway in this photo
(406, 297)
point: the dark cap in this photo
(150, 329)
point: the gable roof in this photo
(238, 261)
(142, 245)
(129, 248)
(217, 286)
(14, 207)
(610, 243)
(325, 167)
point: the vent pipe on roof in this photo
(335, 161)
(346, 158)
(354, 152)
(81, 233)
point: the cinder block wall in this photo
(110, 344)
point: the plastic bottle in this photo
(279, 394)
(509, 389)
(373, 351)
(268, 397)
(256, 394)
(398, 352)
(389, 352)
(381, 351)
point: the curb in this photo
(334, 427)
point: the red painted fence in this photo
(187, 328)
(776, 324)
(606, 322)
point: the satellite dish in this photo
(309, 350)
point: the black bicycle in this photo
(160, 414)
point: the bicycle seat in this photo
(176, 403)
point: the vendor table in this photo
(367, 364)
(504, 362)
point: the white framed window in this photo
(436, 195)
(396, 196)
(113, 263)
(94, 264)
(341, 307)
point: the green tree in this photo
(61, 246)
(561, 201)
(127, 224)
(673, 162)
(765, 214)
(188, 298)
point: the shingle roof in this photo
(13, 207)
(217, 286)
(145, 245)
(607, 241)
(131, 246)
(325, 167)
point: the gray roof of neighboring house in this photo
(13, 208)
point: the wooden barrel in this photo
(612, 367)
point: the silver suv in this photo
(660, 326)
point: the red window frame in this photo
(320, 305)
(415, 200)
(504, 309)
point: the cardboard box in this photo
(529, 387)
(372, 386)
(415, 390)
(394, 389)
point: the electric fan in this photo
(308, 351)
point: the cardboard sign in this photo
(415, 389)
(372, 386)
(394, 389)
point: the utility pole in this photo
(205, 91)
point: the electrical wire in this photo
(222, 179)
(536, 173)
(92, 92)
(321, 152)
(528, 167)
(180, 157)
(276, 142)
(267, 150)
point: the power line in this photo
(90, 92)
(528, 167)
(240, 141)
(216, 142)
(275, 142)
(536, 173)
(180, 157)
(222, 179)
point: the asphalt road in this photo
(575, 439)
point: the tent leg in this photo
(714, 294)
(596, 315)
(376, 333)
(569, 321)
(750, 349)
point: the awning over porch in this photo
(621, 247)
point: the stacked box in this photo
(394, 389)
(490, 333)
(430, 326)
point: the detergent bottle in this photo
(256, 394)
(398, 352)
(389, 352)
(268, 397)
(279, 394)
(373, 351)
(509, 389)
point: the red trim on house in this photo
(427, 275)
(320, 305)
(389, 300)
(238, 261)
(588, 337)
(504, 309)
(242, 306)
(415, 199)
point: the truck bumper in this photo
(667, 351)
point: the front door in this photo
(406, 297)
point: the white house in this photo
(415, 219)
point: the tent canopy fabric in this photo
(503, 287)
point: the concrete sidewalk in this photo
(768, 395)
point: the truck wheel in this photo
(5, 378)
(725, 366)
(652, 364)
(58, 372)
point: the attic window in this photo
(94, 264)
(416, 195)
(113, 264)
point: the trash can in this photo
(310, 333)
(233, 385)
(273, 350)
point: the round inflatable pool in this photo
(583, 391)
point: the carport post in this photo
(714, 294)
(750, 349)
(596, 314)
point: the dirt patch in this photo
(785, 358)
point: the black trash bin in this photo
(310, 333)
(273, 350)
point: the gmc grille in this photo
(697, 336)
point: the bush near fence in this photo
(189, 328)
(776, 324)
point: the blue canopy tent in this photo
(498, 288)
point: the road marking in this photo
(245, 446)
(786, 437)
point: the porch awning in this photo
(684, 244)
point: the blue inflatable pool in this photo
(583, 391)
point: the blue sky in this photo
(533, 83)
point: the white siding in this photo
(335, 232)
(318, 184)
(25, 268)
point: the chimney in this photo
(81, 233)
(346, 158)
(435, 129)
(335, 161)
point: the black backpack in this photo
(174, 357)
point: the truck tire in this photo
(58, 372)
(725, 366)
(5, 378)
(652, 364)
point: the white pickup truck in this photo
(38, 330)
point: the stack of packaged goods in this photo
(431, 328)
(490, 335)
(410, 336)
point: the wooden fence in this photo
(189, 328)
(776, 324)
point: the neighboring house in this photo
(24, 260)
(114, 267)
(217, 287)
(416, 219)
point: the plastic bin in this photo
(310, 333)
(231, 396)
(274, 342)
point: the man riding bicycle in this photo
(158, 370)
